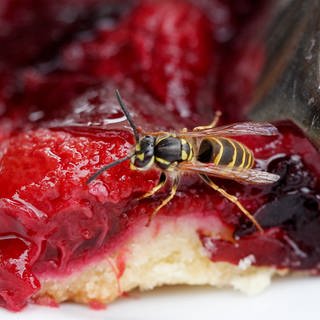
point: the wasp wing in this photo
(234, 129)
(250, 176)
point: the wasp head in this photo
(143, 157)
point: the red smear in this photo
(46, 301)
(96, 305)
(121, 263)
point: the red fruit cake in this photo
(175, 64)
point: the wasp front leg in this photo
(212, 124)
(164, 202)
(161, 183)
(231, 198)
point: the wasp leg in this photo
(231, 198)
(212, 124)
(166, 200)
(162, 181)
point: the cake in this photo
(175, 63)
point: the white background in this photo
(289, 298)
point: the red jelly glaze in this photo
(16, 278)
(289, 212)
(61, 123)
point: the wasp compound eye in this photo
(144, 154)
(147, 146)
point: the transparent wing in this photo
(235, 129)
(250, 176)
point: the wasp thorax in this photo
(144, 153)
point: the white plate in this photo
(290, 298)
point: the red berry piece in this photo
(165, 46)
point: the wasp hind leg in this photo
(212, 124)
(166, 200)
(231, 198)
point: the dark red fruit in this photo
(166, 46)
(289, 214)
(38, 26)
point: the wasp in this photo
(207, 151)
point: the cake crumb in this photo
(246, 262)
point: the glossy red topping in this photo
(174, 63)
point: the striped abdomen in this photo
(226, 152)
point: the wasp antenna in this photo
(128, 116)
(107, 167)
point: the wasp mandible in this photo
(206, 150)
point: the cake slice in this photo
(63, 239)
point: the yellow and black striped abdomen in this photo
(225, 152)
